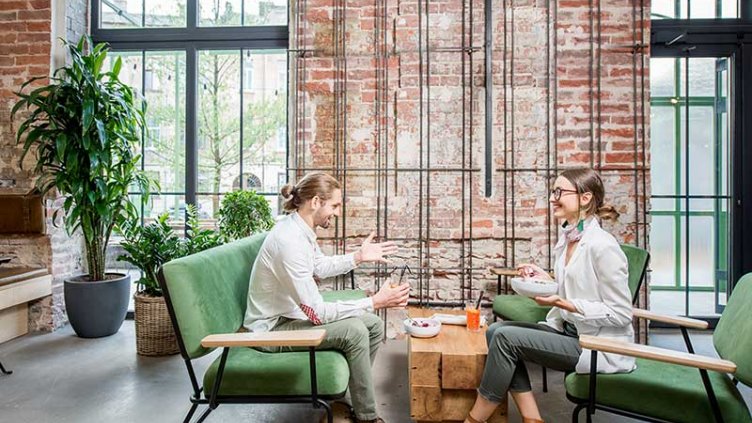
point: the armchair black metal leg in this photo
(205, 415)
(705, 380)
(593, 377)
(327, 408)
(5, 372)
(576, 412)
(189, 416)
(545, 378)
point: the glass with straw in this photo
(472, 313)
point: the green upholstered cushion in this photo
(519, 309)
(733, 335)
(208, 291)
(343, 295)
(252, 372)
(637, 262)
(665, 391)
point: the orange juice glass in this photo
(473, 318)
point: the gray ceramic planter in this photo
(97, 308)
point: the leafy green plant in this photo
(84, 128)
(149, 247)
(197, 238)
(244, 213)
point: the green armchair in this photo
(675, 386)
(523, 309)
(206, 296)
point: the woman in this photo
(593, 299)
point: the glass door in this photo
(690, 174)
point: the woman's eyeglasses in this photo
(556, 192)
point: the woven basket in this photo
(154, 333)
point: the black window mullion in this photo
(191, 128)
(95, 16)
(191, 14)
(686, 181)
(144, 128)
(242, 81)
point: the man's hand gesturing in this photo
(375, 252)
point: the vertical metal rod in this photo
(634, 119)
(513, 135)
(305, 32)
(337, 109)
(488, 50)
(376, 110)
(548, 134)
(598, 76)
(642, 125)
(472, 134)
(506, 131)
(420, 150)
(428, 149)
(590, 80)
(385, 111)
(464, 164)
(343, 25)
(300, 93)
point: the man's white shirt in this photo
(282, 283)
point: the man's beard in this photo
(325, 224)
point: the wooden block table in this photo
(445, 372)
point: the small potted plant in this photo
(84, 128)
(148, 248)
(244, 213)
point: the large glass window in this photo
(214, 77)
(142, 14)
(694, 9)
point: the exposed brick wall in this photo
(76, 19)
(26, 34)
(561, 85)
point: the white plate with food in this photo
(534, 287)
(422, 327)
(455, 319)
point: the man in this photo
(283, 294)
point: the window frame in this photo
(192, 39)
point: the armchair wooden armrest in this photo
(659, 354)
(293, 338)
(674, 320)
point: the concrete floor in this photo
(61, 378)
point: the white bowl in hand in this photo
(421, 327)
(531, 287)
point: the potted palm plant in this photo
(148, 248)
(84, 127)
